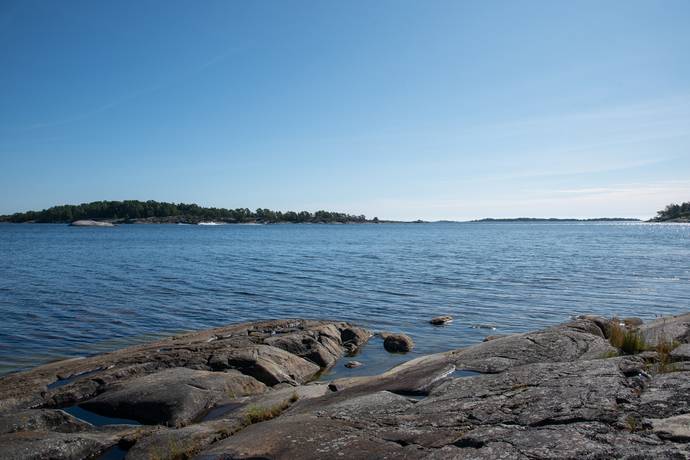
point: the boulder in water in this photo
(397, 343)
(441, 320)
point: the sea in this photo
(67, 291)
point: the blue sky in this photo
(396, 109)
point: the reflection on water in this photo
(97, 420)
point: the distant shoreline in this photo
(554, 219)
(107, 213)
(139, 222)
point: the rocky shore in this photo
(252, 391)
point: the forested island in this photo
(134, 211)
(674, 213)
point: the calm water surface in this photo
(74, 291)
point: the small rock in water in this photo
(489, 338)
(441, 320)
(484, 326)
(353, 364)
(397, 343)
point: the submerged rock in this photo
(488, 338)
(441, 320)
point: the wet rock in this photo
(172, 397)
(412, 378)
(441, 320)
(488, 338)
(397, 343)
(353, 364)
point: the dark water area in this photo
(114, 453)
(96, 419)
(68, 291)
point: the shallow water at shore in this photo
(75, 291)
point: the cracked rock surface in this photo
(248, 391)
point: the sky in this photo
(396, 109)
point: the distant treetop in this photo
(162, 212)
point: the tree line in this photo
(131, 210)
(674, 211)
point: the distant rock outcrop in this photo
(91, 223)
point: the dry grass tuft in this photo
(629, 342)
(664, 349)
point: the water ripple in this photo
(65, 293)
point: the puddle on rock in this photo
(62, 382)
(374, 358)
(95, 419)
(464, 373)
(113, 453)
(220, 411)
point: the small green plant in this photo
(257, 414)
(173, 450)
(631, 423)
(633, 343)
